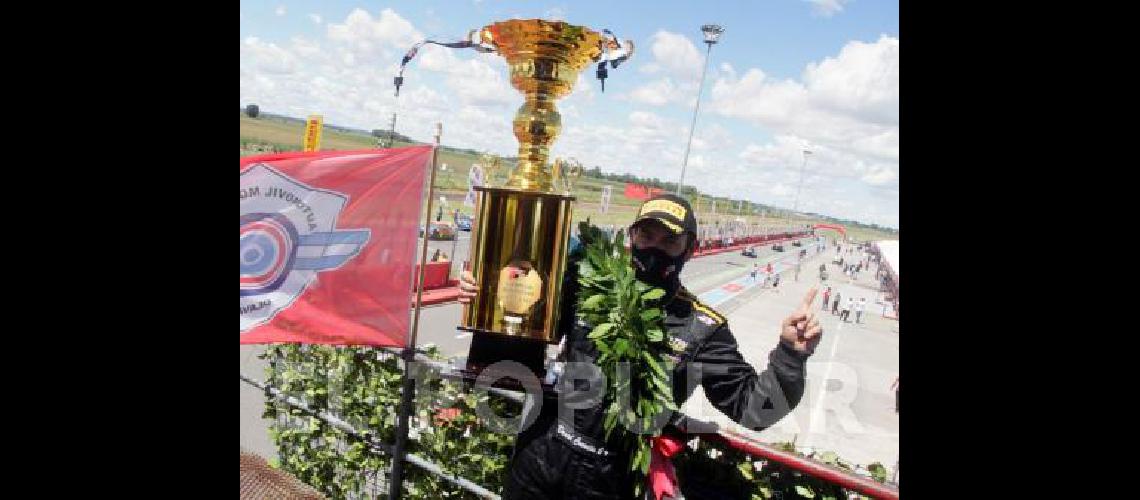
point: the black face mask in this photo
(657, 268)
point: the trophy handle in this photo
(558, 172)
(492, 167)
(572, 170)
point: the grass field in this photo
(286, 135)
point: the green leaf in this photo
(612, 299)
(651, 314)
(600, 330)
(829, 457)
(615, 316)
(745, 468)
(593, 301)
(611, 419)
(652, 363)
(878, 472)
(646, 457)
(805, 491)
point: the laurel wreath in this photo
(627, 319)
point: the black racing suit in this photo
(563, 455)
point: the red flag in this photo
(636, 191)
(328, 244)
(641, 191)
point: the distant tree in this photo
(252, 111)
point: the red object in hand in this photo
(445, 415)
(662, 476)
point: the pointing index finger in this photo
(810, 297)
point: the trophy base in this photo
(488, 348)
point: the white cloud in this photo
(375, 39)
(657, 93)
(676, 55)
(827, 8)
(835, 181)
(712, 136)
(478, 81)
(847, 105)
(781, 190)
(280, 11)
(646, 120)
(315, 18)
(555, 14)
(863, 80)
(481, 79)
(343, 76)
(269, 57)
(879, 176)
(728, 70)
(586, 89)
(304, 48)
(785, 151)
(650, 68)
(346, 75)
(680, 63)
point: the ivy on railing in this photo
(712, 469)
(361, 386)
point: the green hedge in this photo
(361, 385)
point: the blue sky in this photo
(786, 75)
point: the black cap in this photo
(673, 211)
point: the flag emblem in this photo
(287, 236)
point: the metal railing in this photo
(731, 438)
(373, 444)
(831, 474)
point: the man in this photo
(835, 305)
(847, 309)
(564, 454)
(859, 308)
(895, 387)
(826, 295)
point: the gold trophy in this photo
(519, 239)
